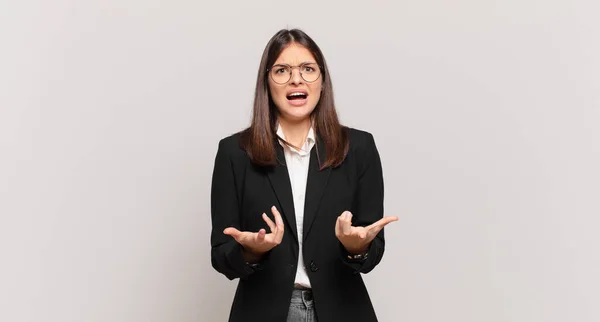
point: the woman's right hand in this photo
(257, 244)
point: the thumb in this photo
(232, 232)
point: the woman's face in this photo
(292, 106)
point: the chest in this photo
(295, 187)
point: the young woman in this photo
(297, 198)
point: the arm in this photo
(227, 255)
(368, 205)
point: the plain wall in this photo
(486, 115)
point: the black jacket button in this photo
(313, 266)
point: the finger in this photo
(382, 222)
(277, 215)
(374, 229)
(278, 223)
(362, 233)
(338, 227)
(260, 237)
(346, 223)
(269, 222)
(233, 232)
(239, 236)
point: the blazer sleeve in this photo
(368, 203)
(226, 253)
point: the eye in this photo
(280, 69)
(309, 68)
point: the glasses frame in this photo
(292, 70)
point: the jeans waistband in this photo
(304, 297)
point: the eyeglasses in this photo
(282, 73)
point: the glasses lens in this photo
(310, 72)
(280, 74)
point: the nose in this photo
(296, 77)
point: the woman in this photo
(297, 199)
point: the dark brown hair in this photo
(259, 139)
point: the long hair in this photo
(259, 139)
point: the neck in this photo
(295, 132)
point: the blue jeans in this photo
(302, 307)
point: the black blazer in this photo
(241, 192)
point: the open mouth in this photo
(297, 96)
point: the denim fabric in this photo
(302, 307)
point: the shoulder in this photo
(362, 152)
(359, 140)
(231, 145)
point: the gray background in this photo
(486, 115)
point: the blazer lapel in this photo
(280, 181)
(315, 186)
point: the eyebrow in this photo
(306, 62)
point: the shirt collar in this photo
(310, 137)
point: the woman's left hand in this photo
(356, 240)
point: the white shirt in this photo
(297, 162)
